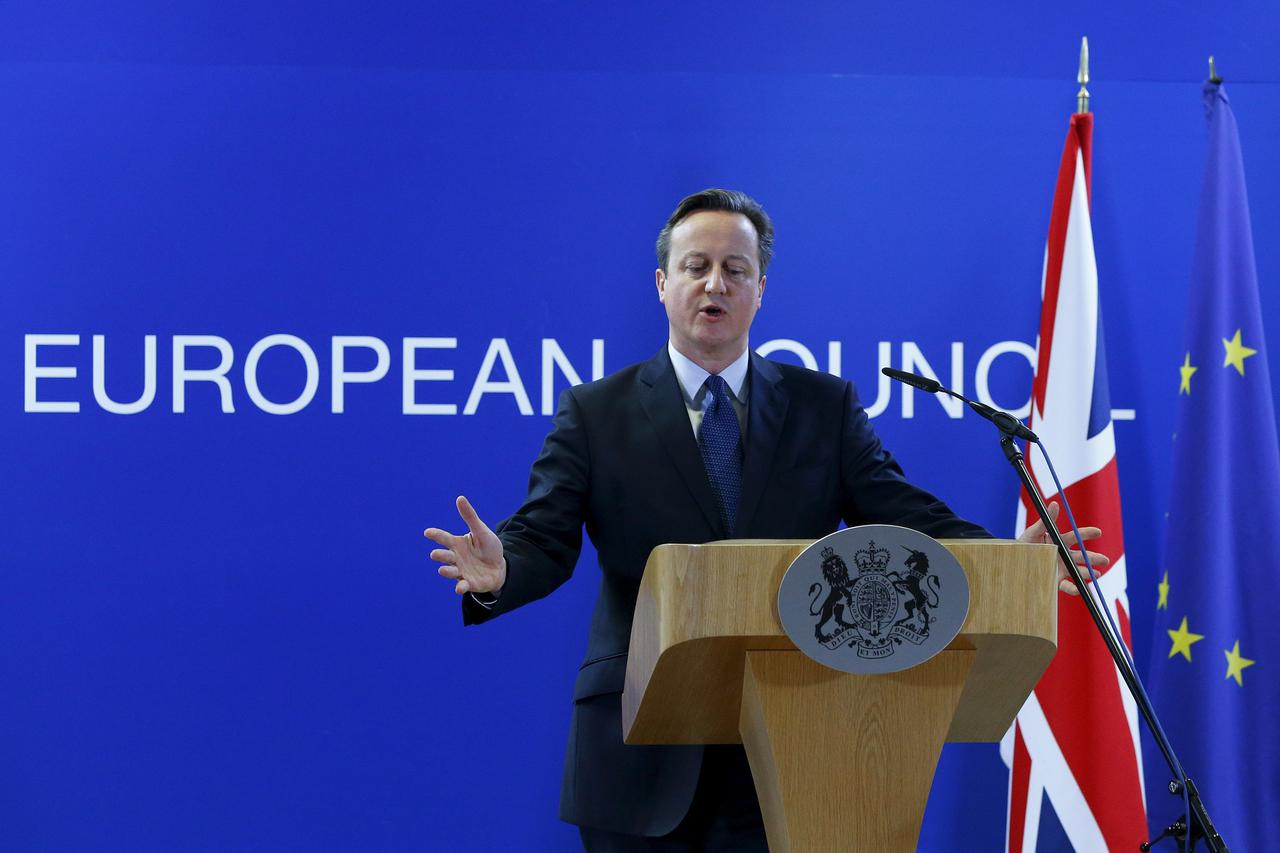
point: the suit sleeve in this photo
(877, 492)
(541, 542)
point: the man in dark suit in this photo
(704, 441)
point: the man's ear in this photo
(660, 278)
(760, 292)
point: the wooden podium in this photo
(841, 762)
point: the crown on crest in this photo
(871, 558)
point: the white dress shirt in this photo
(696, 398)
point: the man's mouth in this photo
(712, 311)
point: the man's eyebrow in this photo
(698, 253)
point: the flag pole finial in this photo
(1082, 97)
(1213, 72)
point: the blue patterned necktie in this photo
(720, 442)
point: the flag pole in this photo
(1082, 97)
(1213, 72)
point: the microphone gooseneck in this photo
(1005, 422)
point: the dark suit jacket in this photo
(622, 460)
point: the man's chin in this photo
(715, 346)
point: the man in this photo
(704, 441)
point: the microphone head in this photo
(924, 383)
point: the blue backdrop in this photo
(220, 630)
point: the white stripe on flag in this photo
(1051, 773)
(1063, 426)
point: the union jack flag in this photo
(1074, 746)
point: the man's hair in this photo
(731, 201)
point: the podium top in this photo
(702, 607)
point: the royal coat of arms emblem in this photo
(904, 601)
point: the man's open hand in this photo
(1037, 535)
(473, 559)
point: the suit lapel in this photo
(766, 413)
(663, 403)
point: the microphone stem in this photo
(1015, 458)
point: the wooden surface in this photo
(845, 762)
(701, 608)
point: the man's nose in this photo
(715, 281)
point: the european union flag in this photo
(1216, 650)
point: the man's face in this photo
(714, 286)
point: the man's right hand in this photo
(473, 559)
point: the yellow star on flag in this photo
(1182, 640)
(1236, 663)
(1163, 586)
(1186, 370)
(1236, 353)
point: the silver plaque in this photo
(873, 599)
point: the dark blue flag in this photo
(1216, 626)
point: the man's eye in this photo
(695, 269)
(737, 272)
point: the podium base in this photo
(883, 745)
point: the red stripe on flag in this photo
(1079, 140)
(1082, 123)
(1019, 784)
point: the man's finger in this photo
(1099, 561)
(1087, 534)
(440, 537)
(462, 587)
(474, 524)
(442, 556)
(1068, 587)
(450, 572)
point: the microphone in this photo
(1005, 422)
(924, 383)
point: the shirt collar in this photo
(691, 375)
